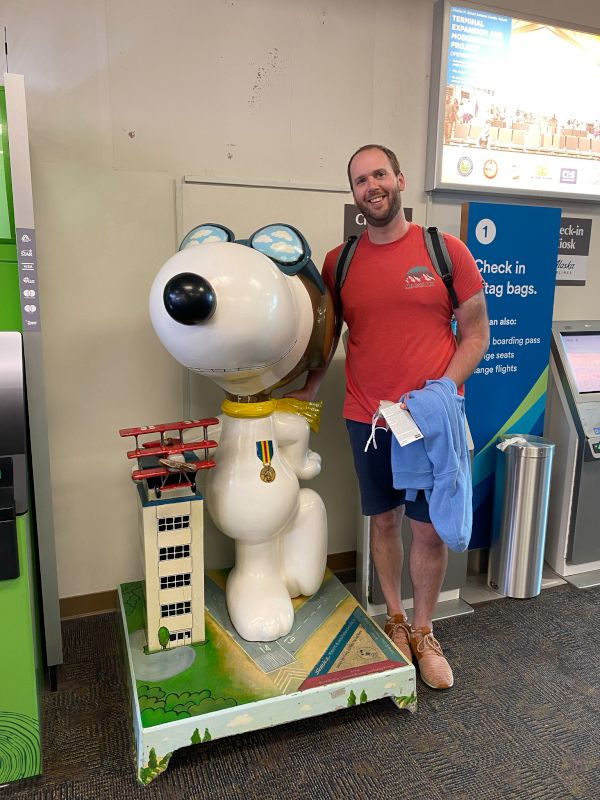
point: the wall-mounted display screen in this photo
(583, 354)
(515, 105)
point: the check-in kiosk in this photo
(573, 423)
(20, 664)
(29, 606)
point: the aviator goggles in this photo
(282, 243)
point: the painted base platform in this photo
(335, 656)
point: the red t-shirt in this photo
(398, 313)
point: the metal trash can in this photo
(521, 497)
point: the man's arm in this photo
(474, 338)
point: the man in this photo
(400, 336)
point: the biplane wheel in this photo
(157, 492)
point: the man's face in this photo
(375, 188)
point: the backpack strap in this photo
(343, 262)
(440, 258)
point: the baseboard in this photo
(85, 604)
(102, 602)
(339, 562)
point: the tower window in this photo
(169, 553)
(173, 523)
(180, 636)
(174, 581)
(176, 609)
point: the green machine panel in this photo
(20, 663)
(10, 308)
(20, 669)
(20, 311)
(7, 220)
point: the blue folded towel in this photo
(439, 462)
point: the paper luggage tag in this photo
(400, 422)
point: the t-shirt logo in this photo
(419, 278)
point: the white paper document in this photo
(400, 422)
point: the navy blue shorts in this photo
(374, 472)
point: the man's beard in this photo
(395, 198)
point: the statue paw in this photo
(259, 606)
(312, 466)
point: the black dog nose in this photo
(189, 299)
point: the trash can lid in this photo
(530, 446)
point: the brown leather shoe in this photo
(398, 629)
(434, 669)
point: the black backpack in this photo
(436, 247)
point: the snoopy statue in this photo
(252, 315)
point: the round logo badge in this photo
(465, 166)
(490, 168)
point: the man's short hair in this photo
(393, 159)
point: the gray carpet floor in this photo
(521, 723)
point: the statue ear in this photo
(208, 232)
(320, 348)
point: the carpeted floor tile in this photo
(521, 723)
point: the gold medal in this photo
(267, 474)
(264, 451)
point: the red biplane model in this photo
(170, 463)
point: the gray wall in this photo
(124, 98)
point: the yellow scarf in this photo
(305, 408)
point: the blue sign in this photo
(515, 248)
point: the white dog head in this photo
(247, 320)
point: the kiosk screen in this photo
(583, 353)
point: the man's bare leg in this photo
(388, 556)
(427, 567)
